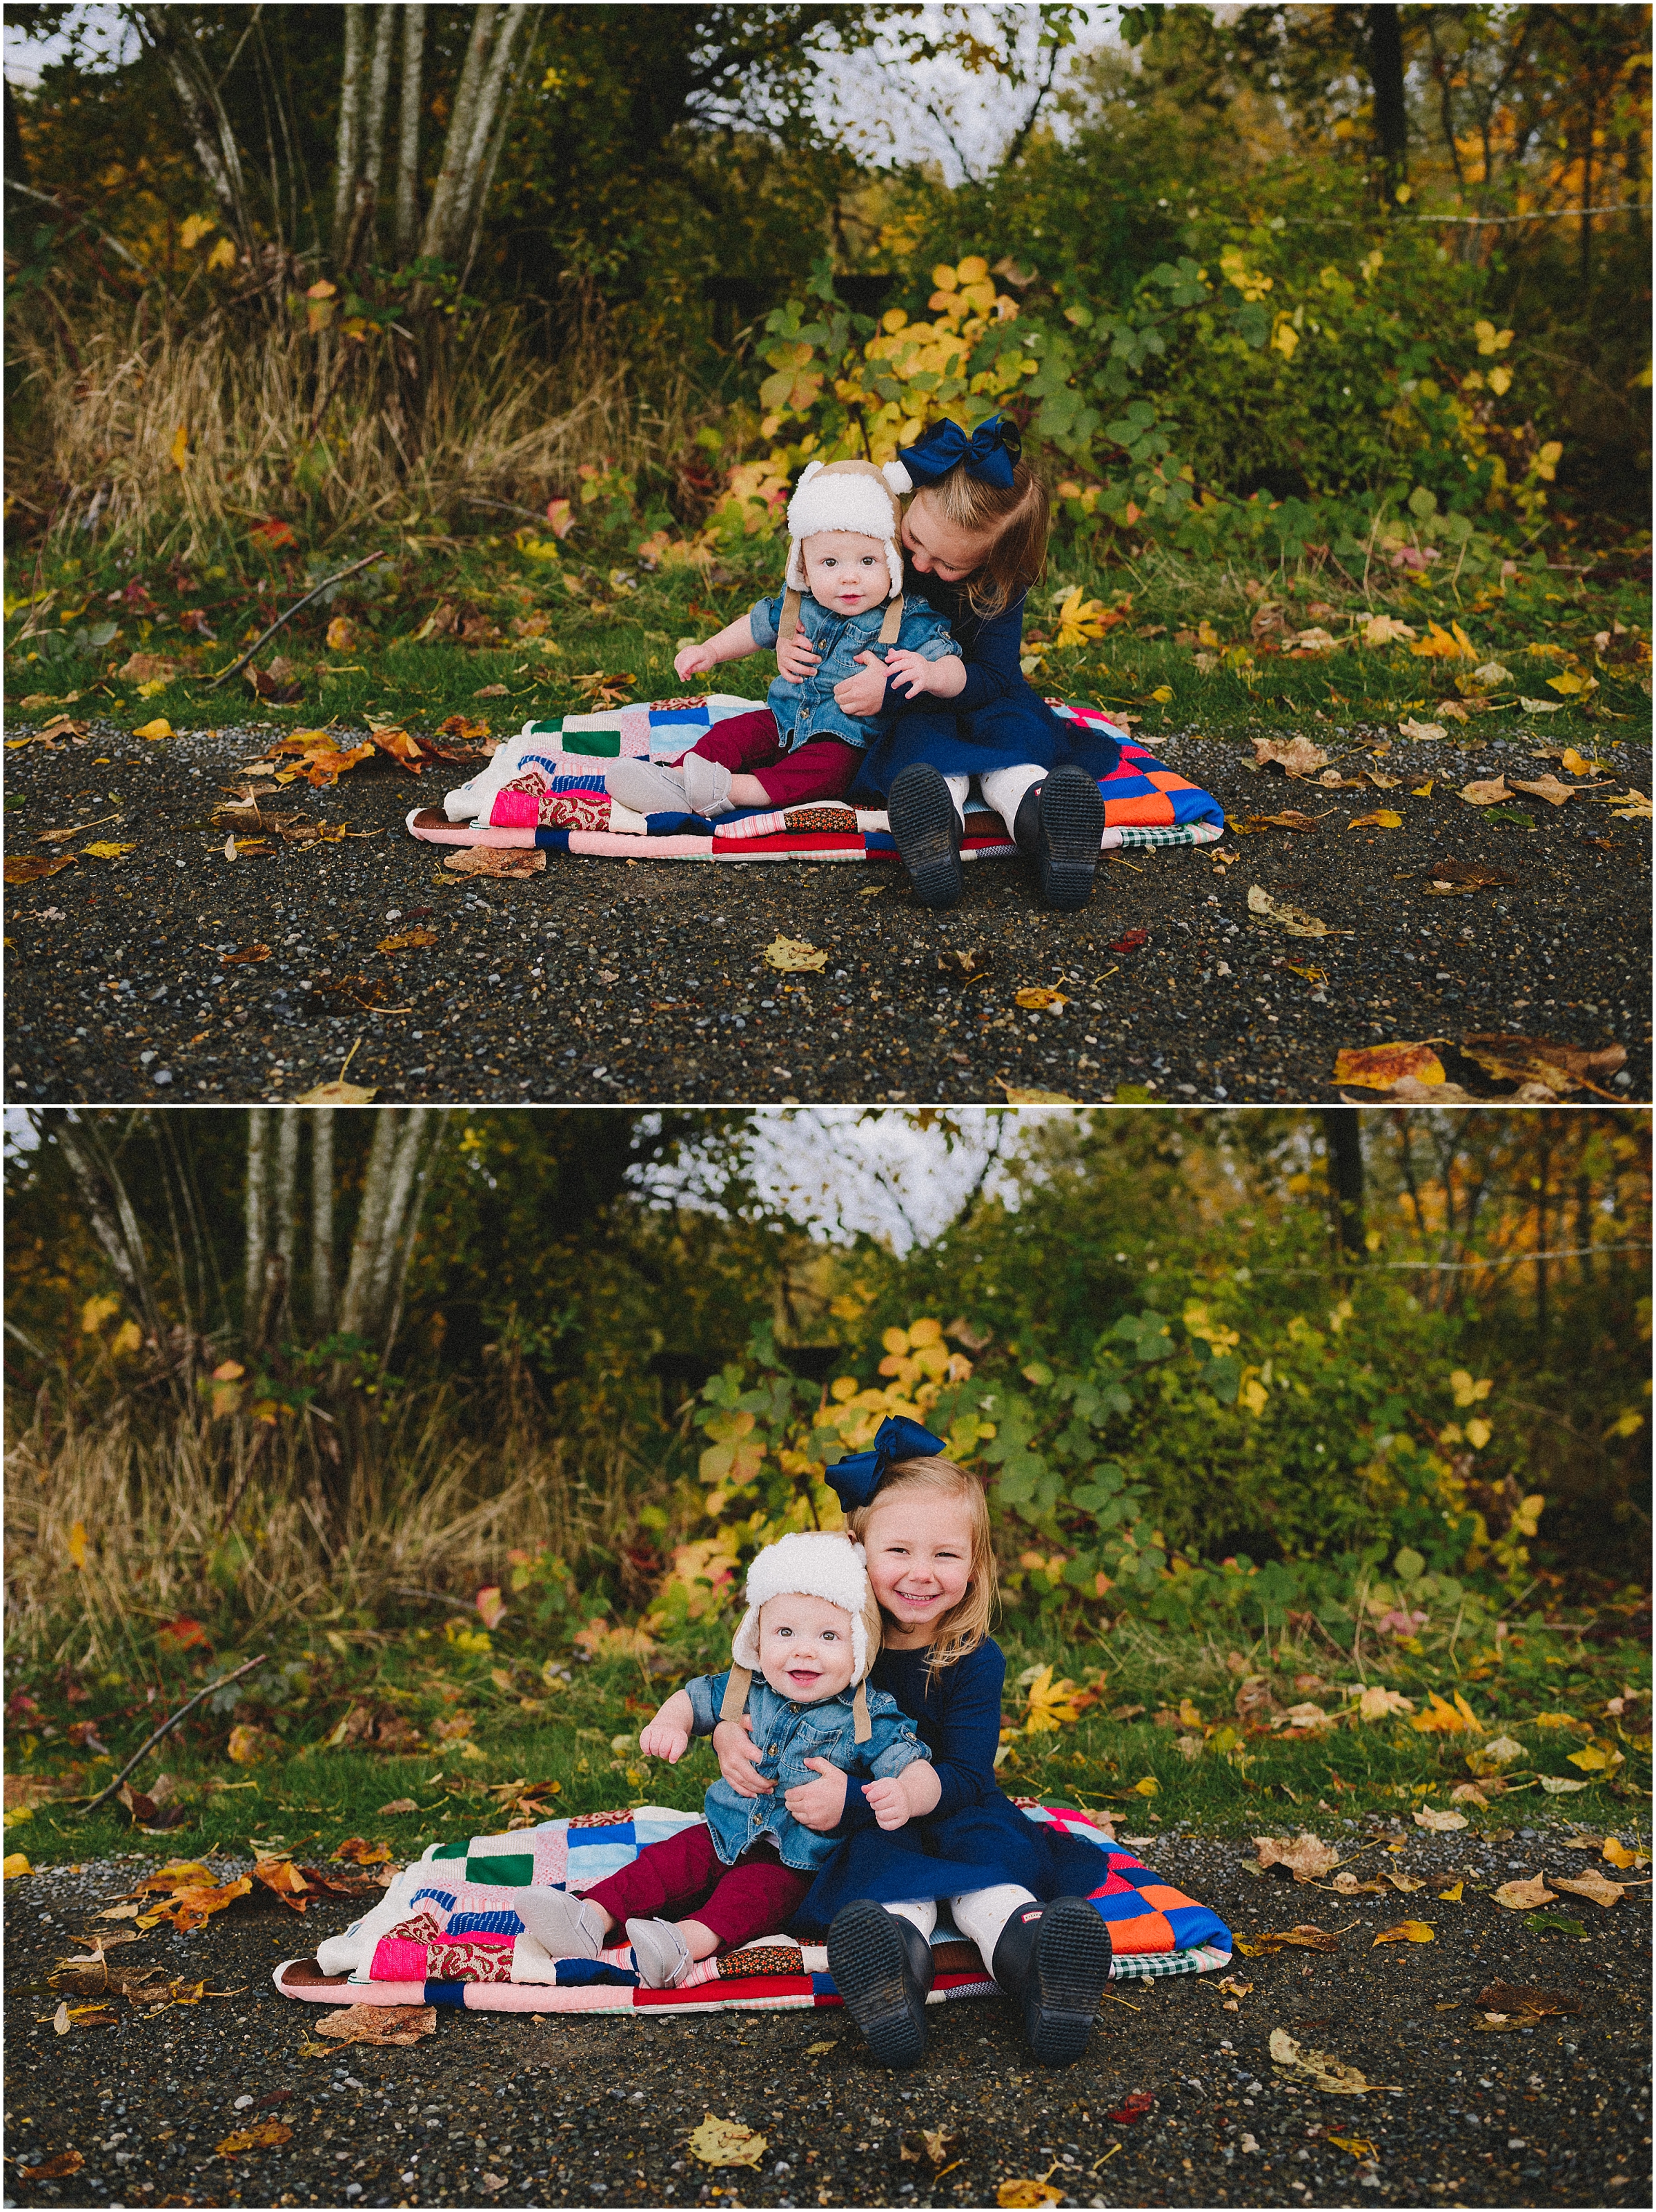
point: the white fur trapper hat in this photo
(827, 1567)
(847, 495)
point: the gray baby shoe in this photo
(566, 1927)
(663, 1956)
(645, 788)
(706, 786)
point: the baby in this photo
(811, 1631)
(845, 590)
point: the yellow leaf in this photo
(1596, 1759)
(1161, 693)
(1016, 1095)
(1406, 1931)
(180, 449)
(194, 228)
(155, 729)
(1490, 340)
(1037, 997)
(1285, 338)
(104, 850)
(77, 1544)
(1454, 1895)
(1478, 1433)
(726, 2143)
(15, 1863)
(1501, 380)
(223, 255)
(1026, 2193)
(1382, 819)
(1149, 1787)
(1615, 1853)
(792, 955)
(247, 1745)
(95, 1312)
(1359, 2146)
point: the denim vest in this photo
(787, 1733)
(809, 709)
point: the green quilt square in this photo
(505, 1870)
(451, 1850)
(603, 742)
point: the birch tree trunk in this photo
(407, 142)
(439, 217)
(488, 121)
(396, 1226)
(373, 150)
(287, 1192)
(415, 1212)
(350, 101)
(322, 1222)
(353, 1317)
(167, 30)
(254, 1234)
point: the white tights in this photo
(980, 1914)
(1002, 789)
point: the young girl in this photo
(974, 535)
(1016, 1888)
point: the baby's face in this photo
(804, 1648)
(846, 571)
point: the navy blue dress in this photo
(995, 721)
(975, 1837)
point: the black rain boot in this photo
(927, 831)
(1055, 1959)
(1060, 824)
(882, 1968)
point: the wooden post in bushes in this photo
(1344, 1134)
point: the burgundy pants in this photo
(683, 1878)
(824, 768)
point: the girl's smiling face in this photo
(804, 1647)
(937, 548)
(919, 1562)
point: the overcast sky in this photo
(938, 113)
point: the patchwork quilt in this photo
(447, 1932)
(544, 790)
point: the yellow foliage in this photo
(1441, 644)
(1467, 1392)
(1441, 1718)
(1078, 619)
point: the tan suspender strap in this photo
(894, 620)
(735, 1694)
(790, 621)
(862, 1728)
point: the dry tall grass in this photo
(179, 1519)
(278, 420)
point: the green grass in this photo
(304, 1798)
(624, 620)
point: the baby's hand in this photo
(695, 660)
(819, 1804)
(863, 694)
(662, 1740)
(796, 658)
(910, 672)
(738, 1757)
(890, 1801)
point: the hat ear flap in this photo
(744, 1646)
(796, 569)
(894, 566)
(897, 476)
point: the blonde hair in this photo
(1016, 522)
(966, 1625)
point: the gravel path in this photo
(599, 980)
(511, 2111)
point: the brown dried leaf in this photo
(1297, 756)
(1524, 1896)
(1591, 1883)
(1561, 1067)
(1379, 1066)
(29, 867)
(1290, 819)
(498, 860)
(403, 2025)
(1306, 1857)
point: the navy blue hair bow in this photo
(857, 1476)
(988, 453)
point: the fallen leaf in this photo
(406, 750)
(937, 2146)
(1288, 918)
(1442, 1718)
(60, 2020)
(499, 860)
(1382, 819)
(1428, 1816)
(1038, 996)
(282, 1876)
(1591, 1883)
(493, 691)
(1348, 1885)
(148, 668)
(820, 2050)
(1524, 1896)
(268, 2135)
(1359, 2146)
(1616, 1854)
(338, 1094)
(1378, 1067)
(1320, 2067)
(1026, 2192)
(14, 1863)
(1306, 1857)
(1297, 756)
(1450, 877)
(1441, 644)
(1306, 1937)
(402, 2025)
(1541, 706)
(1016, 1095)
(29, 867)
(791, 956)
(1230, 1987)
(399, 1805)
(1631, 806)
(1290, 819)
(726, 2143)
(464, 726)
(1130, 941)
(1406, 1931)
(406, 939)
(1384, 629)
(359, 1851)
(1561, 1067)
(248, 1745)
(1540, 2005)
(1489, 792)
(61, 2163)
(1423, 732)
(1454, 1895)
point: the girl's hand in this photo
(864, 694)
(661, 1740)
(796, 657)
(819, 1804)
(910, 672)
(890, 1801)
(696, 660)
(738, 1758)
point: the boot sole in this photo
(866, 1960)
(923, 822)
(1073, 826)
(1068, 1974)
